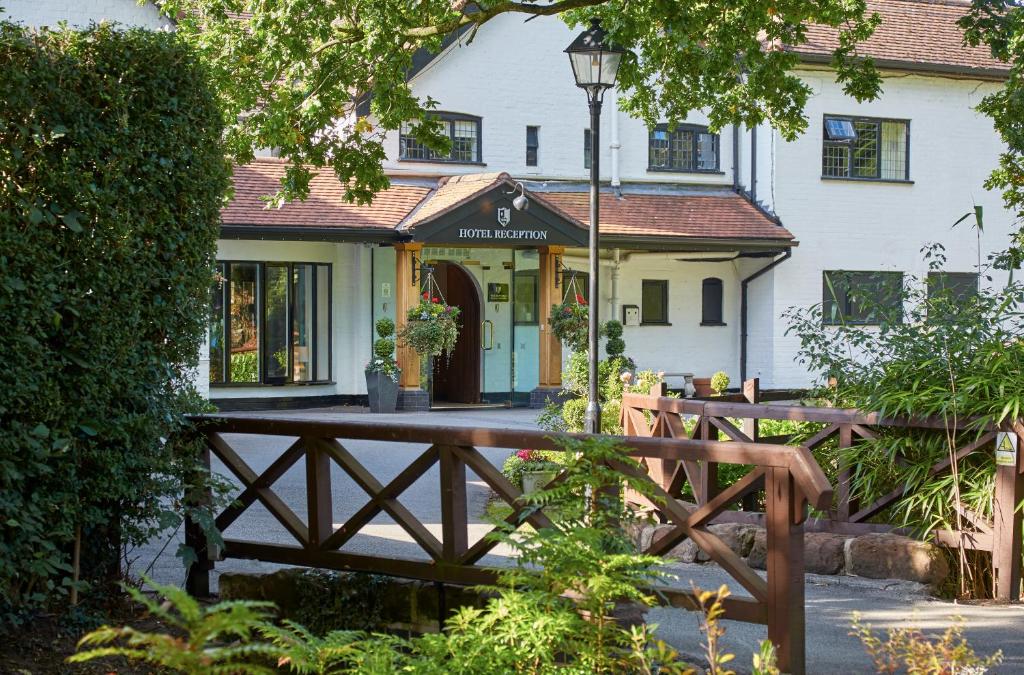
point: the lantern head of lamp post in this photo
(595, 61)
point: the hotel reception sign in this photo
(494, 222)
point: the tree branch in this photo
(481, 17)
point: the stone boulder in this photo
(824, 553)
(891, 556)
(737, 536)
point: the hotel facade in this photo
(706, 238)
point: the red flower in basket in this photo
(525, 454)
(580, 299)
(436, 299)
(426, 296)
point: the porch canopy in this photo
(477, 210)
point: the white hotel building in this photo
(706, 238)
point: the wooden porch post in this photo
(1006, 530)
(550, 347)
(407, 295)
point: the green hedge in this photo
(111, 179)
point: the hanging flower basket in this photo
(432, 327)
(570, 322)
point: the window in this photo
(949, 291)
(866, 149)
(684, 148)
(654, 302)
(532, 145)
(271, 323)
(861, 297)
(462, 130)
(711, 302)
(586, 148)
(526, 298)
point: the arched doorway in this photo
(457, 380)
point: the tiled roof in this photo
(724, 215)
(325, 206)
(919, 34)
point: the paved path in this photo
(830, 600)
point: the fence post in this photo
(785, 565)
(751, 429)
(1006, 530)
(318, 493)
(708, 469)
(197, 577)
(847, 505)
(454, 515)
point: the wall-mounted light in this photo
(521, 203)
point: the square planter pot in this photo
(702, 387)
(536, 480)
(382, 392)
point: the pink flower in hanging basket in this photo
(525, 454)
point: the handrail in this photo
(796, 413)
(808, 475)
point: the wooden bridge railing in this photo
(789, 476)
(1001, 535)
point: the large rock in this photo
(824, 553)
(737, 536)
(890, 556)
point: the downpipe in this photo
(743, 307)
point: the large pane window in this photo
(275, 356)
(861, 297)
(683, 148)
(243, 343)
(865, 148)
(274, 320)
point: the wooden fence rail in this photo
(662, 417)
(789, 476)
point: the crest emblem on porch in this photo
(504, 215)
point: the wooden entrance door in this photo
(457, 380)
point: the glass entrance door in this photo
(525, 325)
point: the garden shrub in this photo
(112, 175)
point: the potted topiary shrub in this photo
(719, 382)
(382, 371)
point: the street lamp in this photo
(595, 64)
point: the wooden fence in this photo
(660, 416)
(789, 476)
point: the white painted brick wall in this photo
(882, 226)
(80, 13)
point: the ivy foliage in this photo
(288, 70)
(112, 174)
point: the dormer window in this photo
(684, 148)
(464, 132)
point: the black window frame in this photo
(588, 149)
(850, 146)
(534, 146)
(450, 118)
(663, 285)
(696, 131)
(860, 282)
(222, 287)
(717, 317)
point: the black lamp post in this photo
(595, 64)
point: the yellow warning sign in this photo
(1006, 449)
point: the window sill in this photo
(440, 161)
(847, 179)
(711, 172)
(654, 323)
(713, 323)
(264, 385)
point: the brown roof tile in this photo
(325, 206)
(921, 34)
(727, 216)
